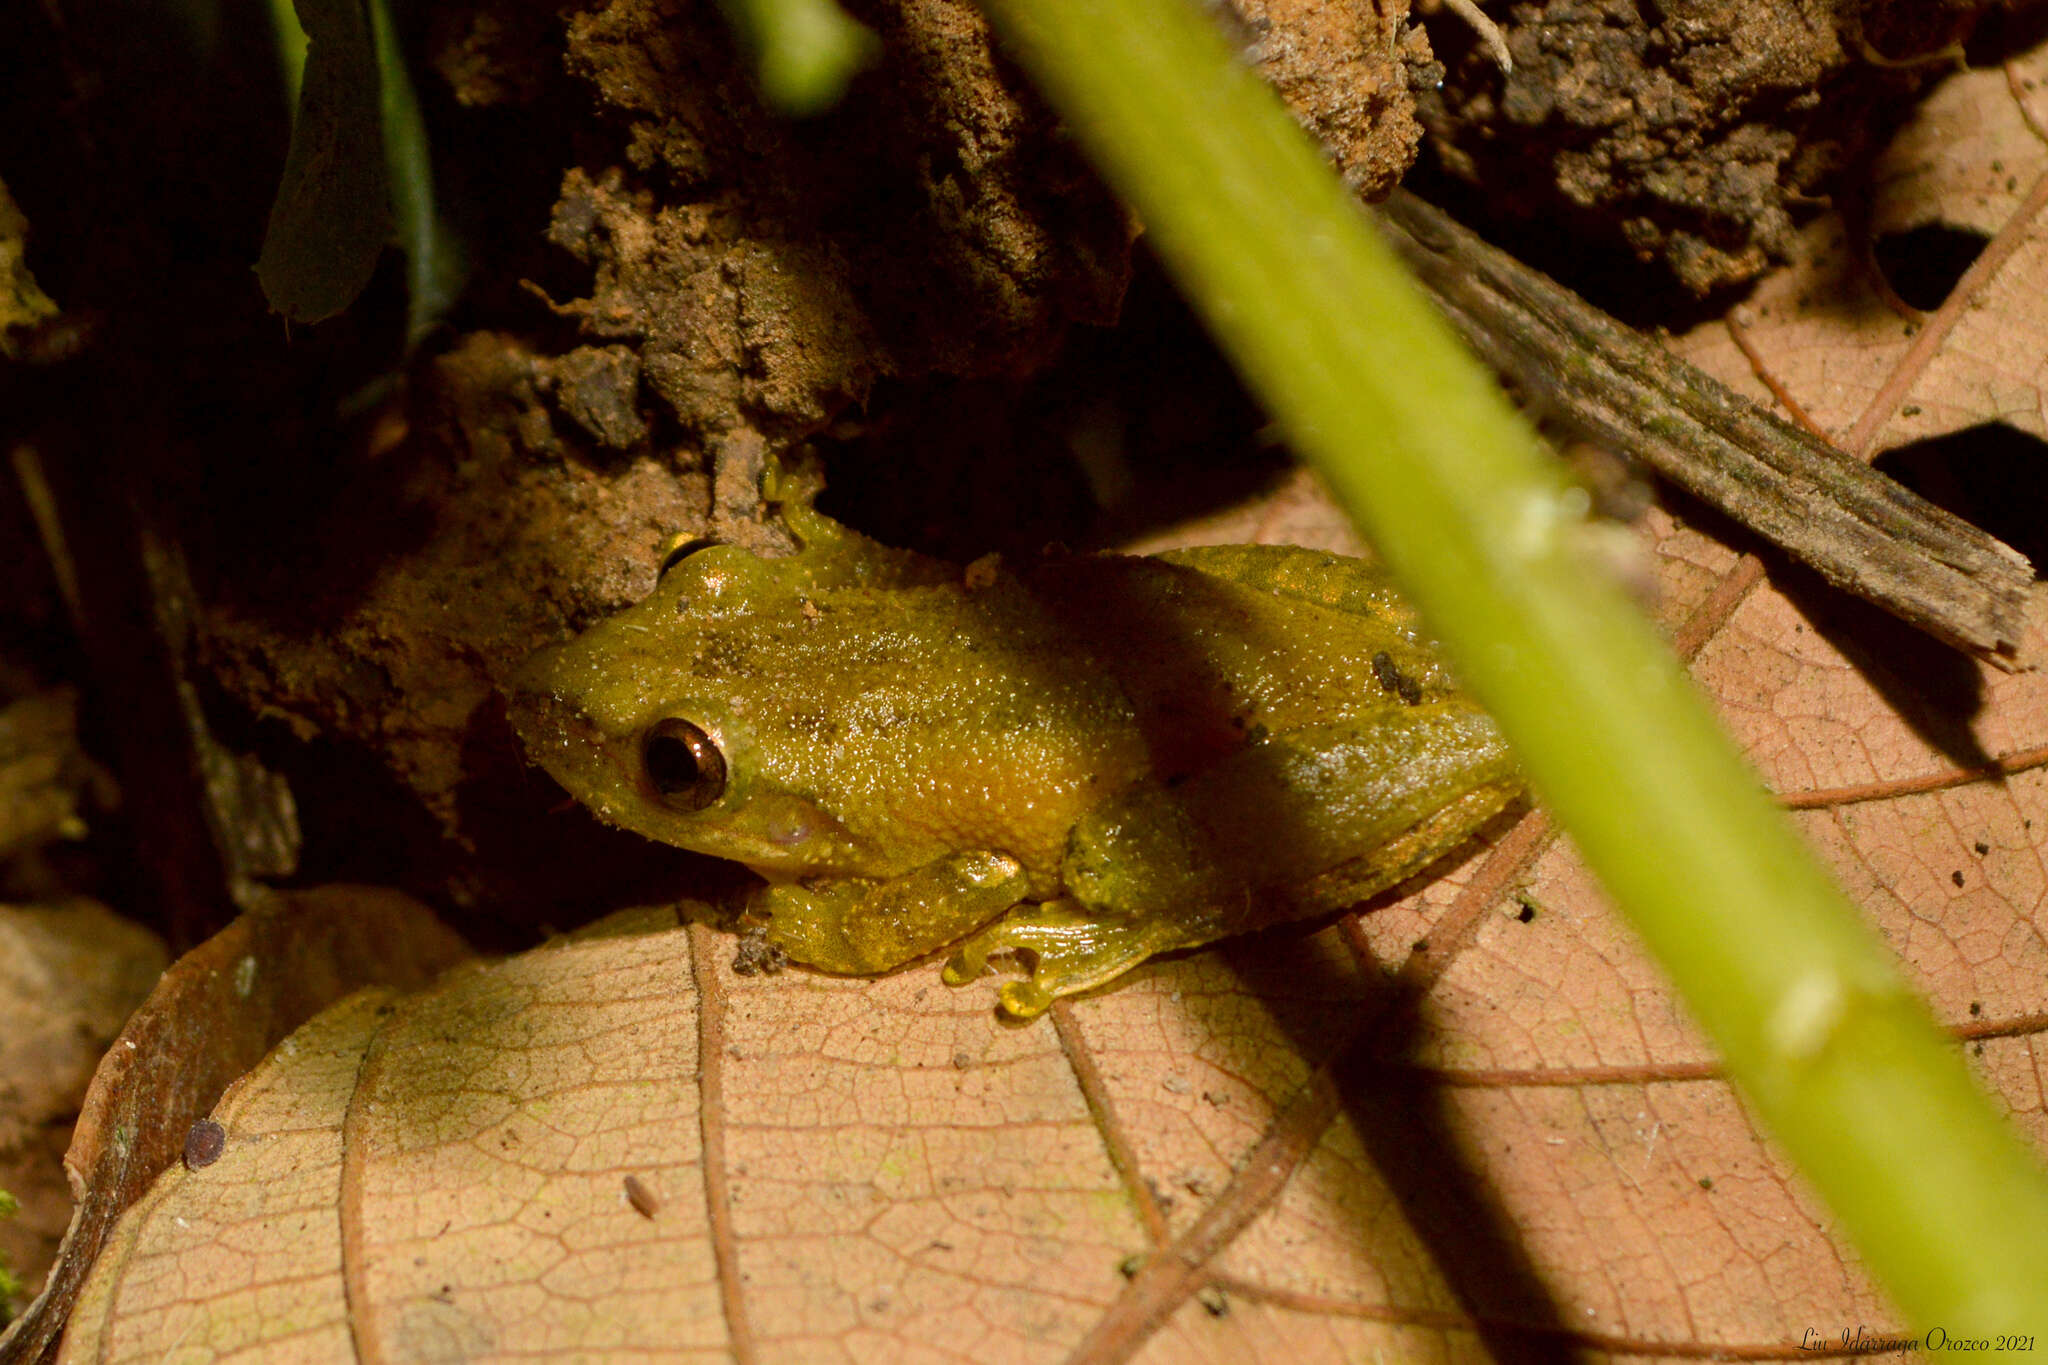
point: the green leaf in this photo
(333, 212)
(11, 1287)
(22, 301)
(434, 263)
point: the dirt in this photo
(72, 971)
(769, 273)
(1689, 133)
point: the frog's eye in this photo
(682, 764)
(680, 548)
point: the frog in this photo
(1072, 764)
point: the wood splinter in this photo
(1861, 530)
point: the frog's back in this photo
(1212, 645)
(1356, 587)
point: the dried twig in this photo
(1863, 531)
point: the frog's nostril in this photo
(682, 763)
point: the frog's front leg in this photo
(1072, 949)
(859, 926)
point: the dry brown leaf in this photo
(1473, 1122)
(214, 1015)
(70, 974)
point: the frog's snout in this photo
(533, 678)
(541, 716)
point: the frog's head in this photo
(648, 719)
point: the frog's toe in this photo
(1025, 999)
(1069, 950)
(968, 962)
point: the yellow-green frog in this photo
(1091, 759)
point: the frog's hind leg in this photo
(1294, 824)
(1407, 855)
(1071, 949)
(1323, 816)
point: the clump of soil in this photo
(767, 273)
(1688, 132)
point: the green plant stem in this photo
(1809, 1010)
(11, 1286)
(804, 51)
(291, 51)
(433, 256)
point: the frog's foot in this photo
(1069, 949)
